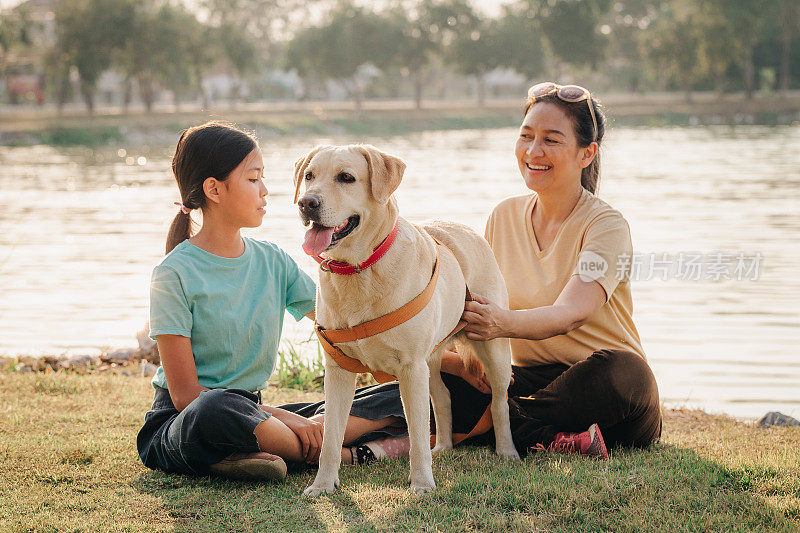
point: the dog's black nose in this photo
(309, 202)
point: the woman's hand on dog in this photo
(310, 434)
(485, 319)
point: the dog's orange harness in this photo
(329, 338)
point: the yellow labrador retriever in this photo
(349, 206)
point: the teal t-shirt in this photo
(231, 308)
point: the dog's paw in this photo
(318, 489)
(509, 454)
(422, 484)
(439, 448)
(422, 489)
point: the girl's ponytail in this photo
(179, 230)
(211, 150)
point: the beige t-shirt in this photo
(596, 234)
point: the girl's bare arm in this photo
(179, 369)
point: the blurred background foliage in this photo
(202, 51)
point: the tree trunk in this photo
(719, 84)
(749, 71)
(233, 97)
(355, 92)
(661, 79)
(785, 73)
(126, 101)
(481, 90)
(786, 45)
(418, 87)
(62, 93)
(197, 66)
(203, 95)
(147, 92)
(87, 90)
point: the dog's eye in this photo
(309, 176)
(345, 177)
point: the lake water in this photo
(83, 228)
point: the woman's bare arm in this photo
(179, 369)
(578, 302)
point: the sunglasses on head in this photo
(567, 93)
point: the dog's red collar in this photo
(346, 269)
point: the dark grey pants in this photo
(220, 422)
(216, 424)
(614, 388)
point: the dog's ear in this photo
(385, 172)
(300, 167)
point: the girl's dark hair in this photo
(210, 150)
(581, 118)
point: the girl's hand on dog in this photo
(485, 319)
(310, 434)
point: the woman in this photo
(217, 303)
(565, 255)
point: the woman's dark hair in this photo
(210, 150)
(581, 118)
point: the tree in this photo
(477, 49)
(91, 33)
(57, 69)
(521, 41)
(14, 32)
(789, 15)
(424, 30)
(627, 26)
(672, 46)
(568, 30)
(740, 23)
(341, 49)
(415, 33)
(252, 33)
(177, 34)
(157, 50)
(239, 53)
(580, 20)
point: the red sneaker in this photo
(589, 443)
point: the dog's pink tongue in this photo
(317, 239)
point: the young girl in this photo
(217, 303)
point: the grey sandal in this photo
(250, 468)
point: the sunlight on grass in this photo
(68, 462)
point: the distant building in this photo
(23, 77)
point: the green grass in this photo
(81, 136)
(68, 463)
(298, 371)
